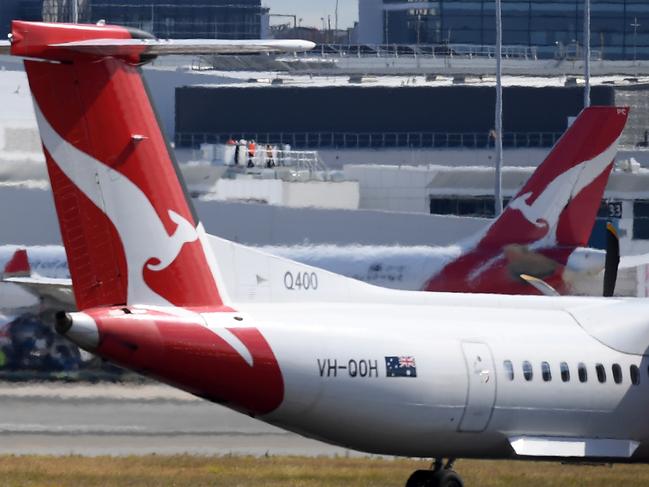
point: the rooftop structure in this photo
(620, 28)
(208, 19)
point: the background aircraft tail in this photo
(18, 265)
(559, 202)
(130, 232)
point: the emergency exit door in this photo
(481, 394)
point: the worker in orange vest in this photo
(252, 147)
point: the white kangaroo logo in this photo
(546, 209)
(143, 235)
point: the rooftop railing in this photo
(468, 51)
(373, 140)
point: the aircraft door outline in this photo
(481, 387)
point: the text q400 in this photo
(300, 281)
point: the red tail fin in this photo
(558, 204)
(129, 230)
(18, 265)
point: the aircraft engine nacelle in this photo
(584, 262)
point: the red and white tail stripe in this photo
(129, 229)
(559, 202)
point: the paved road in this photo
(114, 420)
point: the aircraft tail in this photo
(559, 202)
(18, 265)
(129, 229)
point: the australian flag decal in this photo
(400, 367)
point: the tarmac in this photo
(116, 420)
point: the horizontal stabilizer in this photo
(58, 289)
(158, 47)
(4, 47)
(64, 42)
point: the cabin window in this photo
(617, 373)
(635, 375)
(509, 369)
(565, 372)
(545, 372)
(527, 371)
(582, 372)
(601, 373)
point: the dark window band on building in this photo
(181, 19)
(554, 28)
(377, 116)
(641, 219)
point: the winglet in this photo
(18, 265)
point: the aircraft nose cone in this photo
(78, 328)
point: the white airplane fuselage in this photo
(462, 402)
(377, 370)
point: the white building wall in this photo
(35, 223)
(337, 158)
(268, 191)
(316, 194)
(393, 188)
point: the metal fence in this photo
(419, 50)
(371, 140)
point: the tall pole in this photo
(586, 53)
(75, 11)
(336, 23)
(498, 199)
(635, 26)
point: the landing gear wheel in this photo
(446, 478)
(438, 476)
(421, 478)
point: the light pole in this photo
(498, 200)
(336, 23)
(586, 53)
(635, 26)
(74, 11)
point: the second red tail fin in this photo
(18, 265)
(559, 202)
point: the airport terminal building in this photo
(381, 115)
(620, 28)
(185, 19)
